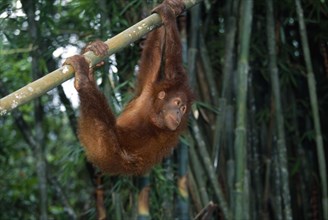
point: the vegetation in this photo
(255, 145)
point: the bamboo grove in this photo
(256, 142)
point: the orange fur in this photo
(134, 142)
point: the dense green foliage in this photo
(43, 170)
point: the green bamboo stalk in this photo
(208, 70)
(240, 130)
(231, 168)
(57, 77)
(221, 133)
(315, 111)
(199, 174)
(254, 157)
(214, 96)
(277, 198)
(117, 201)
(247, 199)
(229, 122)
(194, 193)
(281, 142)
(230, 40)
(192, 49)
(168, 197)
(210, 170)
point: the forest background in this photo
(254, 148)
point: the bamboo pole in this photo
(275, 84)
(199, 173)
(201, 145)
(62, 74)
(315, 111)
(240, 130)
